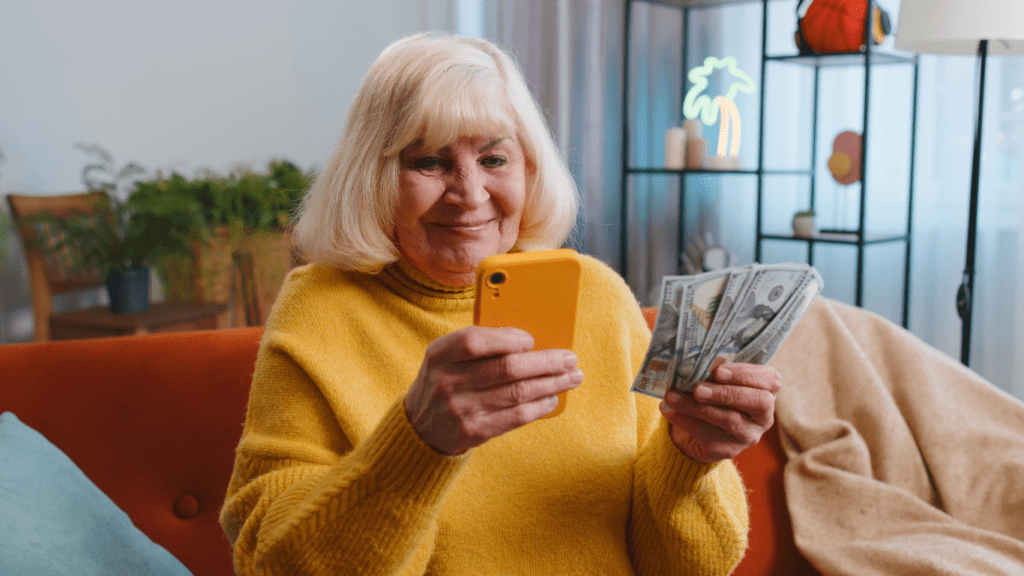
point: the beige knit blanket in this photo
(901, 461)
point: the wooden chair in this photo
(254, 289)
(52, 273)
(245, 275)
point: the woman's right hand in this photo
(477, 383)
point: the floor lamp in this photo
(982, 27)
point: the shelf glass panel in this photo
(657, 170)
(652, 209)
(654, 102)
(783, 196)
(773, 252)
(788, 118)
(837, 264)
(836, 237)
(884, 279)
(700, 3)
(688, 171)
(844, 59)
(720, 210)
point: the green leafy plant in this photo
(104, 174)
(122, 234)
(246, 210)
(243, 200)
(805, 213)
(125, 230)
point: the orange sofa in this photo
(153, 421)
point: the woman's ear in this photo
(531, 168)
(530, 163)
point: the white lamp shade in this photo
(956, 26)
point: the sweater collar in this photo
(406, 280)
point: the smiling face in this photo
(459, 205)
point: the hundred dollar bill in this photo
(697, 312)
(740, 314)
(764, 296)
(761, 349)
(658, 366)
(734, 290)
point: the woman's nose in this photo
(465, 187)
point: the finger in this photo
(735, 424)
(749, 375)
(704, 443)
(749, 400)
(498, 398)
(501, 370)
(487, 426)
(757, 404)
(476, 342)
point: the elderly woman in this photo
(387, 435)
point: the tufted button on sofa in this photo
(186, 506)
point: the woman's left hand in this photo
(722, 418)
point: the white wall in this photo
(182, 84)
(179, 85)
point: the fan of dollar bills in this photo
(739, 314)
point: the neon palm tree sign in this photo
(698, 104)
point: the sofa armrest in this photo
(153, 421)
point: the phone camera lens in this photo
(497, 279)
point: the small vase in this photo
(128, 291)
(803, 225)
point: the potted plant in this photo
(803, 224)
(247, 211)
(122, 238)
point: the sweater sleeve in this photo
(303, 500)
(686, 517)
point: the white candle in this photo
(694, 129)
(675, 148)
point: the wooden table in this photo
(161, 317)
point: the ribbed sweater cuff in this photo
(404, 463)
(673, 468)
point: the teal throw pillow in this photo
(55, 521)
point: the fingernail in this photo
(570, 360)
(723, 374)
(673, 396)
(702, 392)
(664, 407)
(576, 377)
(553, 400)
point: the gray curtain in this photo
(571, 54)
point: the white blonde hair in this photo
(434, 87)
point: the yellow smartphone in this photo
(532, 291)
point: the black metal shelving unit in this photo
(858, 237)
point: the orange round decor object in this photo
(835, 25)
(844, 164)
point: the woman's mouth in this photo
(465, 227)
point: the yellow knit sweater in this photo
(330, 478)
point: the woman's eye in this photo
(427, 163)
(494, 161)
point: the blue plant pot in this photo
(129, 291)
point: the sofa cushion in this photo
(54, 520)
